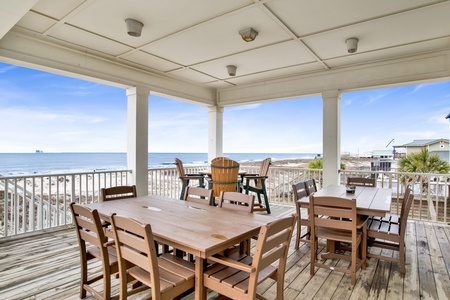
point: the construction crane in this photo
(389, 143)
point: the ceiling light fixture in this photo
(248, 34)
(352, 44)
(134, 27)
(231, 70)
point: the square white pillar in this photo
(215, 132)
(331, 136)
(137, 137)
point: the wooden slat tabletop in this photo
(370, 201)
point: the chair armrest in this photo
(250, 174)
(361, 223)
(251, 177)
(192, 176)
(226, 261)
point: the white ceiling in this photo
(195, 40)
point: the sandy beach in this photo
(350, 162)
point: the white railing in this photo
(38, 202)
(431, 192)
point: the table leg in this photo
(200, 290)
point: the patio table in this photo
(198, 229)
(370, 201)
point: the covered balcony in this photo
(303, 48)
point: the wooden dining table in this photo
(370, 201)
(198, 229)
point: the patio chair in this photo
(240, 202)
(361, 181)
(394, 218)
(259, 186)
(236, 201)
(186, 178)
(391, 235)
(115, 193)
(167, 275)
(89, 230)
(300, 192)
(118, 192)
(238, 279)
(199, 195)
(224, 176)
(342, 225)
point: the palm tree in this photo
(318, 164)
(421, 162)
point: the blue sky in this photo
(54, 113)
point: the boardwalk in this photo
(47, 267)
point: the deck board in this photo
(46, 266)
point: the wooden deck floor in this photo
(47, 267)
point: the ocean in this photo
(51, 163)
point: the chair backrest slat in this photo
(361, 181)
(310, 186)
(118, 192)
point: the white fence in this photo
(39, 202)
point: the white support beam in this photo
(331, 136)
(23, 50)
(215, 132)
(412, 70)
(137, 137)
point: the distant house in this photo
(439, 147)
(383, 160)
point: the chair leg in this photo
(266, 199)
(183, 188)
(297, 238)
(402, 259)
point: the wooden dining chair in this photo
(224, 175)
(236, 201)
(199, 195)
(389, 233)
(239, 202)
(167, 275)
(361, 181)
(90, 231)
(259, 185)
(299, 191)
(186, 178)
(118, 192)
(341, 225)
(238, 279)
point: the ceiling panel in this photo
(88, 40)
(384, 33)
(150, 61)
(305, 17)
(218, 38)
(258, 60)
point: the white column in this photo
(331, 136)
(137, 137)
(215, 132)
